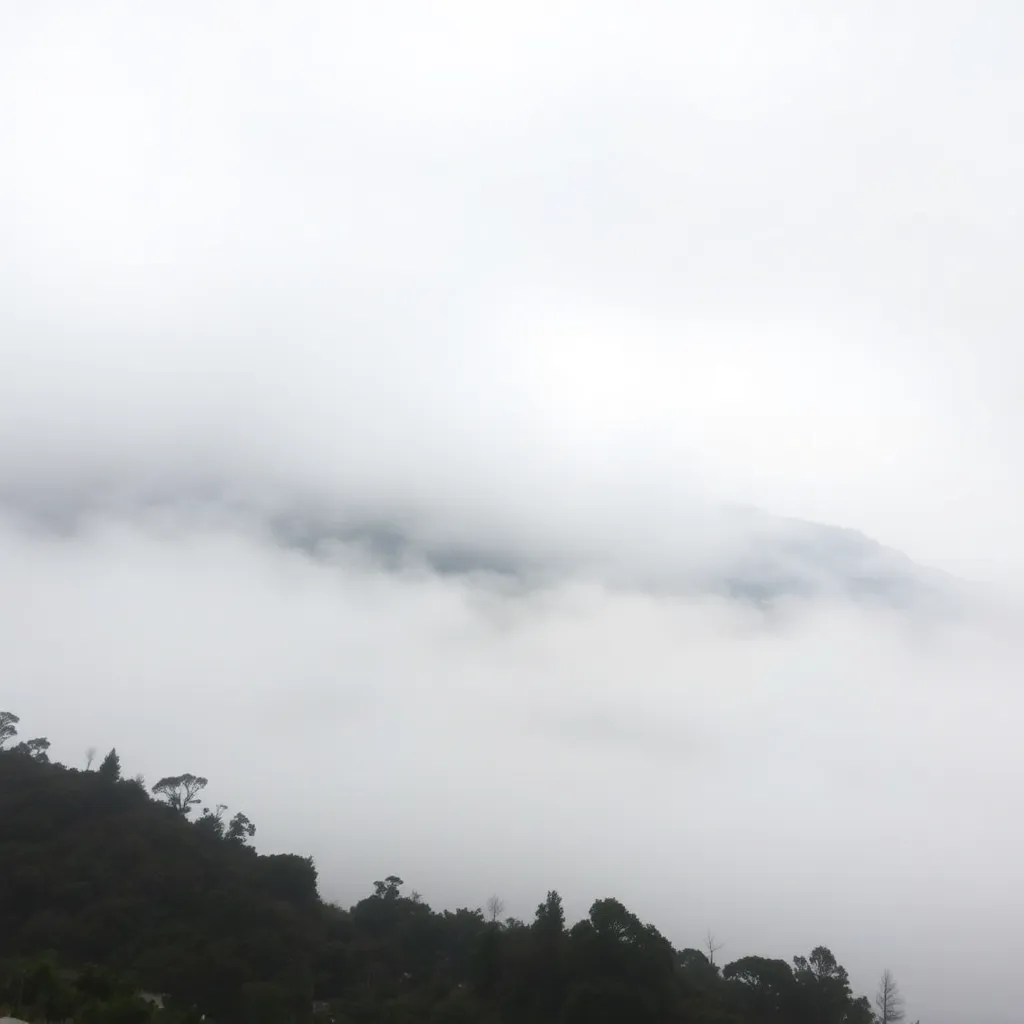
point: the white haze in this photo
(555, 281)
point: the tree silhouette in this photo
(240, 830)
(550, 916)
(389, 889)
(8, 727)
(36, 749)
(110, 767)
(180, 791)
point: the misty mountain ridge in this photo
(730, 551)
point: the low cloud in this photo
(812, 772)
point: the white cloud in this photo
(551, 281)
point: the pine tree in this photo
(110, 769)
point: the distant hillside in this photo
(733, 552)
(782, 557)
(744, 554)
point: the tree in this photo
(180, 791)
(712, 947)
(36, 749)
(824, 986)
(544, 973)
(888, 1000)
(240, 829)
(389, 889)
(110, 767)
(8, 727)
(550, 917)
(767, 985)
(859, 1012)
(821, 965)
(90, 756)
(495, 908)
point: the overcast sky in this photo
(547, 277)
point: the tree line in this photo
(122, 903)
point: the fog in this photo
(557, 289)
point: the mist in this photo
(381, 392)
(812, 773)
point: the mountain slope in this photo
(98, 872)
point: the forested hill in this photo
(109, 889)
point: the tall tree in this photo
(180, 791)
(550, 916)
(8, 727)
(90, 756)
(823, 984)
(888, 1000)
(110, 767)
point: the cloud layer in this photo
(540, 292)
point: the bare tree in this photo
(712, 947)
(888, 1000)
(90, 756)
(495, 908)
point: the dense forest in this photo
(121, 903)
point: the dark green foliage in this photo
(36, 989)
(823, 987)
(240, 829)
(212, 821)
(36, 749)
(98, 872)
(93, 870)
(110, 767)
